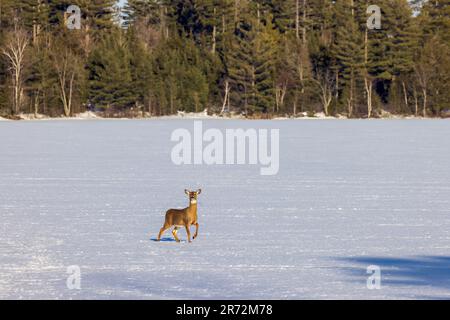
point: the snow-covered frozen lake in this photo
(349, 194)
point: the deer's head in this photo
(193, 195)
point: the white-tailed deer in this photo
(183, 217)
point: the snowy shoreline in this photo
(89, 115)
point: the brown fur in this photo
(183, 217)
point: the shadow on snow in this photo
(165, 239)
(429, 271)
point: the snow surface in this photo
(349, 194)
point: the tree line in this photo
(259, 58)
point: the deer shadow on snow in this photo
(165, 239)
(426, 271)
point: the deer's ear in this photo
(186, 191)
(199, 191)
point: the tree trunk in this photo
(225, 99)
(283, 95)
(416, 101)
(69, 106)
(214, 35)
(36, 103)
(149, 104)
(368, 85)
(280, 93)
(367, 82)
(258, 15)
(171, 103)
(350, 99)
(336, 94)
(34, 33)
(163, 27)
(87, 40)
(405, 95)
(236, 11)
(327, 97)
(297, 19)
(304, 22)
(424, 91)
(17, 93)
(224, 26)
(253, 86)
(295, 106)
(245, 100)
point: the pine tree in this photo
(42, 79)
(141, 71)
(180, 76)
(264, 66)
(250, 64)
(281, 13)
(432, 62)
(402, 43)
(34, 15)
(376, 63)
(321, 55)
(348, 50)
(110, 78)
(97, 17)
(436, 15)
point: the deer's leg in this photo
(164, 228)
(174, 232)
(196, 231)
(188, 233)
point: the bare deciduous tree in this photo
(226, 98)
(368, 85)
(280, 94)
(15, 49)
(67, 68)
(327, 85)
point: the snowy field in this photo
(349, 194)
